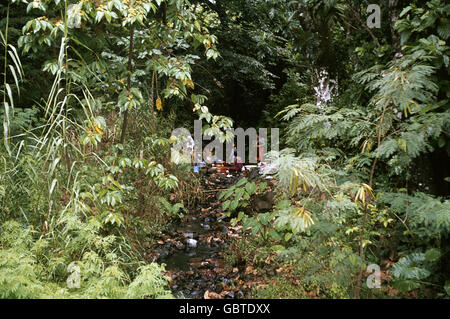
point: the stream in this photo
(193, 248)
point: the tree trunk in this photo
(130, 69)
(395, 7)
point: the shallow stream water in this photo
(193, 249)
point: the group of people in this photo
(234, 159)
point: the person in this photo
(238, 163)
(190, 144)
(261, 148)
(209, 157)
(232, 155)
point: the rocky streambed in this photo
(193, 249)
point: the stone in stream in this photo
(162, 253)
(179, 245)
(253, 175)
(191, 242)
(230, 295)
(225, 280)
(172, 233)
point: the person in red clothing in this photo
(238, 163)
(261, 143)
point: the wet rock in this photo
(194, 246)
(179, 245)
(163, 253)
(253, 175)
(230, 295)
(191, 242)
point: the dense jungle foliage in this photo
(92, 89)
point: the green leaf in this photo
(241, 182)
(287, 236)
(441, 141)
(239, 193)
(447, 287)
(406, 284)
(99, 16)
(432, 254)
(108, 16)
(16, 80)
(274, 234)
(410, 268)
(10, 95)
(225, 205)
(250, 188)
(405, 11)
(256, 228)
(264, 218)
(228, 193)
(251, 222)
(278, 248)
(262, 186)
(234, 204)
(401, 144)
